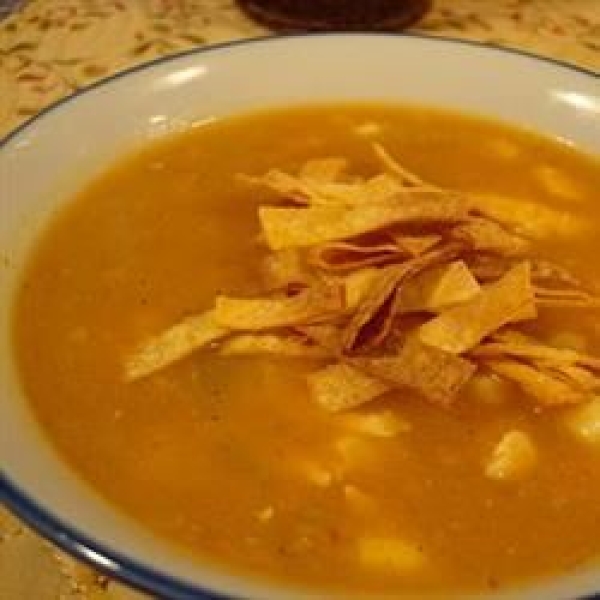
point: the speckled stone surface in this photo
(52, 47)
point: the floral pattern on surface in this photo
(52, 47)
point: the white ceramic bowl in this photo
(43, 162)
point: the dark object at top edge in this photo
(335, 15)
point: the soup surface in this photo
(229, 457)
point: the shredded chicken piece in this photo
(390, 555)
(513, 458)
(584, 422)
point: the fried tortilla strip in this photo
(373, 318)
(381, 188)
(357, 285)
(348, 256)
(297, 227)
(175, 343)
(437, 288)
(543, 272)
(483, 235)
(517, 345)
(578, 377)
(341, 387)
(284, 346)
(318, 184)
(386, 187)
(254, 314)
(536, 221)
(590, 303)
(434, 374)
(406, 177)
(462, 327)
(549, 273)
(499, 349)
(488, 268)
(555, 298)
(415, 245)
(284, 268)
(325, 335)
(563, 364)
(378, 189)
(323, 170)
(285, 185)
(546, 389)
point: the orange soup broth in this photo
(218, 454)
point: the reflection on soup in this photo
(449, 435)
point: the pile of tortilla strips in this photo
(390, 282)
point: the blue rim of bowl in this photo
(69, 538)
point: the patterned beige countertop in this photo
(52, 47)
